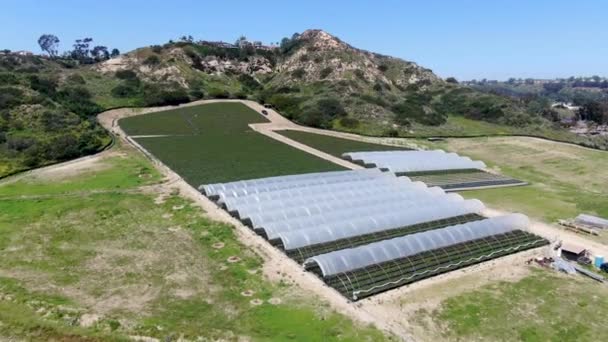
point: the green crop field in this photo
(213, 143)
(122, 257)
(333, 145)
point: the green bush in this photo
(393, 133)
(76, 79)
(157, 48)
(77, 100)
(349, 122)
(298, 73)
(125, 74)
(417, 107)
(10, 97)
(249, 82)
(216, 93)
(325, 72)
(156, 95)
(123, 90)
(44, 85)
(7, 78)
(152, 60)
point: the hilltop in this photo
(48, 106)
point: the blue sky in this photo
(462, 38)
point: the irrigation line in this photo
(396, 282)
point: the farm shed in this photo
(312, 215)
(572, 251)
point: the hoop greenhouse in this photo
(435, 168)
(340, 224)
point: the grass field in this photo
(333, 145)
(213, 143)
(543, 306)
(116, 260)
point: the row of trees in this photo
(83, 51)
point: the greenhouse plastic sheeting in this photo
(259, 218)
(413, 161)
(323, 191)
(235, 189)
(378, 252)
(365, 225)
(590, 220)
(379, 211)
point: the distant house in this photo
(23, 53)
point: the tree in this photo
(81, 49)
(451, 80)
(115, 53)
(100, 53)
(49, 44)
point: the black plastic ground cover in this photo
(367, 281)
(461, 179)
(301, 254)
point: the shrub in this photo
(331, 107)
(383, 67)
(43, 85)
(19, 143)
(154, 95)
(125, 74)
(216, 93)
(157, 48)
(325, 72)
(152, 60)
(76, 79)
(196, 94)
(77, 100)
(249, 82)
(10, 97)
(451, 80)
(7, 78)
(123, 90)
(393, 133)
(304, 58)
(360, 74)
(349, 122)
(298, 73)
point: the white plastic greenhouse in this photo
(365, 231)
(413, 161)
(379, 252)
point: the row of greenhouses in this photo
(449, 171)
(351, 222)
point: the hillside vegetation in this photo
(47, 105)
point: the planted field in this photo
(333, 145)
(213, 143)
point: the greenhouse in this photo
(413, 161)
(317, 217)
(435, 168)
(365, 270)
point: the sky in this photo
(466, 39)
